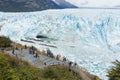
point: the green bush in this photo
(50, 74)
(114, 72)
(5, 42)
(6, 72)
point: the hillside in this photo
(64, 4)
(11, 68)
(26, 5)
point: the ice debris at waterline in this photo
(91, 37)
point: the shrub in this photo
(114, 72)
(50, 73)
(5, 42)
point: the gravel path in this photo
(36, 61)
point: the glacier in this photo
(90, 37)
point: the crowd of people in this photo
(32, 50)
(71, 65)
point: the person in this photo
(32, 48)
(51, 55)
(16, 48)
(33, 51)
(70, 64)
(57, 57)
(25, 46)
(74, 68)
(36, 55)
(48, 52)
(45, 63)
(2, 49)
(75, 64)
(64, 59)
(13, 51)
(30, 51)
